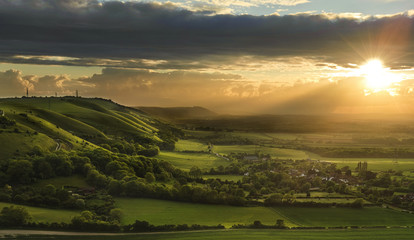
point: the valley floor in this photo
(355, 234)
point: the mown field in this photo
(46, 215)
(375, 164)
(160, 212)
(187, 160)
(252, 149)
(333, 217)
(262, 234)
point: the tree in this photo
(358, 203)
(280, 223)
(274, 199)
(14, 216)
(195, 172)
(115, 215)
(149, 177)
(20, 171)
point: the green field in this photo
(190, 145)
(368, 216)
(160, 212)
(187, 160)
(252, 149)
(46, 214)
(262, 234)
(375, 164)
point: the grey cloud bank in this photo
(90, 31)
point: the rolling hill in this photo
(51, 123)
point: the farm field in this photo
(45, 214)
(160, 212)
(187, 160)
(334, 217)
(263, 234)
(252, 149)
(190, 145)
(375, 164)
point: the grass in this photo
(187, 160)
(16, 143)
(190, 145)
(375, 164)
(369, 216)
(46, 214)
(252, 234)
(159, 212)
(252, 149)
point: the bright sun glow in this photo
(378, 78)
(375, 75)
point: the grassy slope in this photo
(67, 118)
(159, 212)
(10, 142)
(45, 214)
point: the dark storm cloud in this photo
(90, 30)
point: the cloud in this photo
(224, 93)
(138, 35)
(12, 83)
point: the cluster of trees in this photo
(280, 224)
(144, 226)
(6, 122)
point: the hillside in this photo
(53, 123)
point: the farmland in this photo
(159, 212)
(46, 215)
(354, 234)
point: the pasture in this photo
(334, 217)
(252, 149)
(160, 212)
(190, 145)
(187, 160)
(46, 214)
(253, 234)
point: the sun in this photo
(377, 77)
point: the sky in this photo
(235, 56)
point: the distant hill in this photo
(176, 113)
(50, 123)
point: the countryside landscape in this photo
(63, 169)
(239, 119)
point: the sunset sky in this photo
(235, 56)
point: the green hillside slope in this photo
(72, 123)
